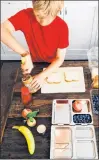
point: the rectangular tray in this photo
(63, 86)
(63, 112)
(68, 148)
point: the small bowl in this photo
(41, 129)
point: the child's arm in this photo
(8, 39)
(57, 62)
(38, 79)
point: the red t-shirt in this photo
(43, 41)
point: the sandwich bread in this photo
(71, 76)
(54, 78)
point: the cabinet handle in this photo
(65, 11)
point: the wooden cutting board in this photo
(63, 86)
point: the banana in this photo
(28, 136)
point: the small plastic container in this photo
(41, 129)
(93, 66)
(93, 57)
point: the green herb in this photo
(32, 114)
(31, 119)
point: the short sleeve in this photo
(64, 36)
(18, 20)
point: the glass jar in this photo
(93, 66)
(27, 79)
(93, 61)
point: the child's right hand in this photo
(26, 63)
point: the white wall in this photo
(81, 17)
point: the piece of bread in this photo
(71, 76)
(55, 78)
(95, 83)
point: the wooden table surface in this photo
(12, 142)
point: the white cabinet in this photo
(2, 51)
(11, 8)
(61, 14)
(82, 22)
(29, 4)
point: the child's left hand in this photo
(37, 81)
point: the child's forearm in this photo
(54, 65)
(8, 39)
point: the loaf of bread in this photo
(71, 76)
(54, 78)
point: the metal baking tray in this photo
(63, 112)
(73, 142)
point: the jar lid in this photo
(24, 90)
(26, 77)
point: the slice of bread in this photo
(55, 77)
(71, 76)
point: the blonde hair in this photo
(51, 7)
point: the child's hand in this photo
(37, 82)
(26, 63)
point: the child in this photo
(46, 35)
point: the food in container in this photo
(95, 83)
(81, 142)
(94, 72)
(95, 101)
(62, 153)
(62, 135)
(82, 106)
(77, 105)
(25, 95)
(68, 140)
(82, 118)
(27, 79)
(95, 78)
(93, 65)
(64, 113)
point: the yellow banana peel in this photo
(28, 136)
